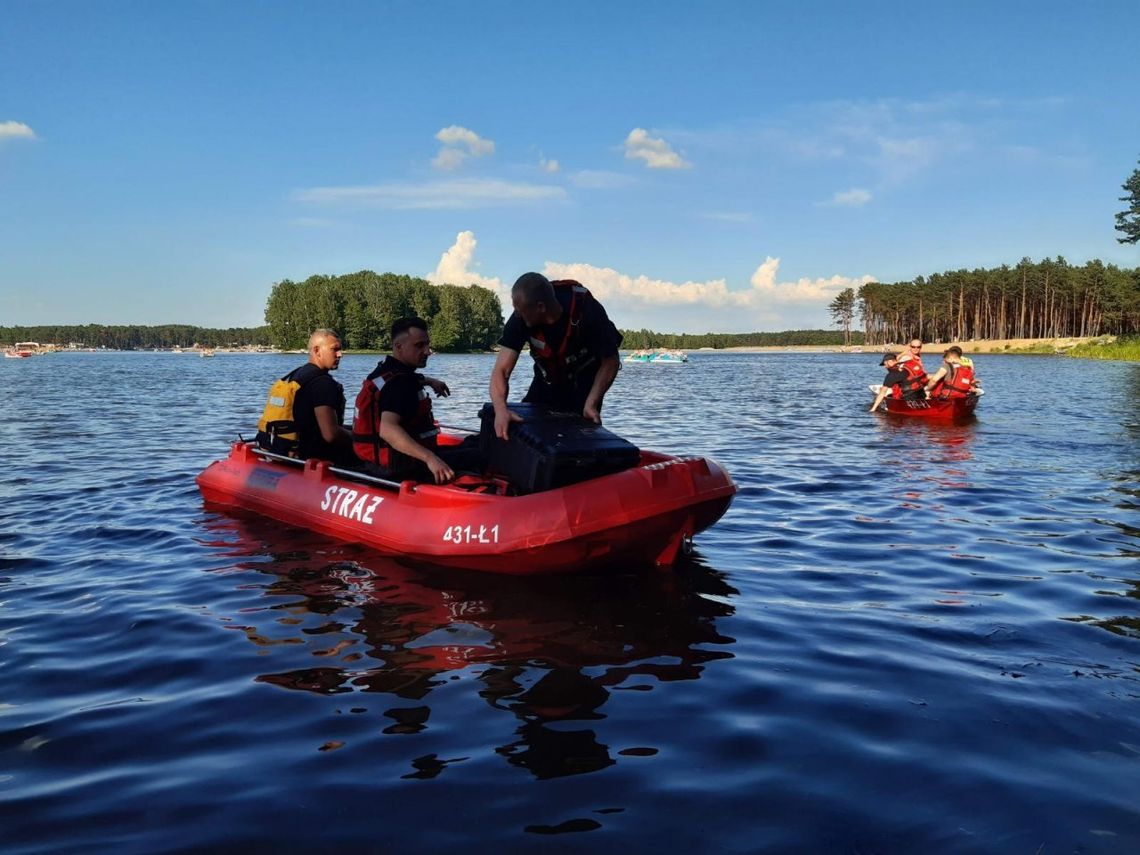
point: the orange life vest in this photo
(958, 382)
(366, 440)
(915, 375)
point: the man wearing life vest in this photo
(896, 383)
(572, 340)
(910, 361)
(394, 431)
(305, 412)
(955, 379)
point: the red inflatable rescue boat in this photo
(643, 514)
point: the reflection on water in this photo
(550, 651)
(927, 453)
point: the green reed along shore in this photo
(1121, 348)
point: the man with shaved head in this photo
(317, 405)
(573, 342)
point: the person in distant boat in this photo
(955, 378)
(896, 384)
(394, 431)
(572, 340)
(305, 412)
(910, 361)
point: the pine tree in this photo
(1128, 222)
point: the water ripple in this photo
(902, 637)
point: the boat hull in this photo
(645, 514)
(945, 409)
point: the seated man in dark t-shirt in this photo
(318, 408)
(572, 340)
(395, 432)
(895, 378)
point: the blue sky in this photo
(723, 166)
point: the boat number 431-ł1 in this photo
(470, 534)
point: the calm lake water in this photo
(901, 638)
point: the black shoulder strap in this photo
(301, 375)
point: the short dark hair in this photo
(411, 322)
(534, 288)
(954, 349)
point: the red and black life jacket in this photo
(957, 383)
(366, 441)
(572, 356)
(915, 376)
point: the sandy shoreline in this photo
(999, 345)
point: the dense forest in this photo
(135, 337)
(361, 307)
(1046, 299)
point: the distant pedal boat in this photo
(658, 357)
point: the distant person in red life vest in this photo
(955, 379)
(573, 342)
(394, 431)
(896, 383)
(910, 361)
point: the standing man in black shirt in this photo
(573, 342)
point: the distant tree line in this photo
(647, 339)
(1046, 299)
(361, 307)
(134, 337)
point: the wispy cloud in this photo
(460, 145)
(885, 142)
(727, 216)
(16, 130)
(600, 179)
(548, 164)
(856, 197)
(312, 222)
(656, 153)
(455, 194)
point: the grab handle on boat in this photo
(344, 473)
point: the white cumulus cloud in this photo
(16, 130)
(455, 262)
(640, 301)
(607, 283)
(656, 153)
(460, 145)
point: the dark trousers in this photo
(464, 457)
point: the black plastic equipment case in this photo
(550, 449)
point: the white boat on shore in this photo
(23, 349)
